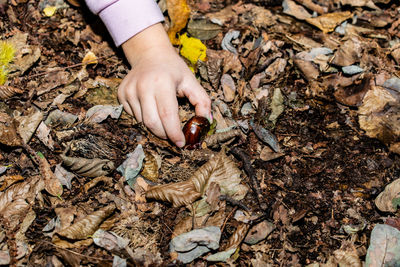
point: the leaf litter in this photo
(306, 148)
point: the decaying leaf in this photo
(9, 91)
(150, 167)
(179, 13)
(25, 55)
(233, 244)
(27, 190)
(112, 242)
(291, 8)
(8, 131)
(384, 246)
(29, 123)
(100, 112)
(106, 180)
(328, 22)
(220, 169)
(63, 176)
(88, 167)
(277, 106)
(131, 167)
(266, 136)
(88, 225)
(203, 29)
(8, 180)
(193, 244)
(385, 199)
(51, 183)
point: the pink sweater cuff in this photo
(126, 18)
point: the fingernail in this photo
(211, 117)
(180, 143)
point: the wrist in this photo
(150, 39)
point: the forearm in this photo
(126, 18)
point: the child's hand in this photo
(158, 75)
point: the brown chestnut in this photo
(195, 130)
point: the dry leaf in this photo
(150, 167)
(29, 123)
(8, 180)
(106, 180)
(348, 53)
(51, 182)
(203, 29)
(90, 58)
(295, 10)
(88, 225)
(220, 169)
(229, 87)
(219, 138)
(9, 91)
(24, 190)
(179, 13)
(385, 199)
(328, 22)
(8, 131)
(88, 167)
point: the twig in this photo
(251, 173)
(60, 69)
(234, 202)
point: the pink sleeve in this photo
(125, 18)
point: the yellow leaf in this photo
(179, 13)
(49, 10)
(192, 49)
(90, 58)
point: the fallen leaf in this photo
(150, 167)
(295, 10)
(90, 58)
(385, 200)
(179, 13)
(99, 113)
(85, 227)
(7, 92)
(193, 244)
(203, 29)
(384, 246)
(51, 183)
(131, 167)
(88, 167)
(328, 22)
(63, 176)
(228, 87)
(192, 49)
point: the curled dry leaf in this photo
(9, 91)
(266, 136)
(222, 137)
(88, 225)
(88, 167)
(220, 169)
(150, 167)
(384, 201)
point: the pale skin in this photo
(158, 75)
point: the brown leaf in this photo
(384, 201)
(8, 131)
(51, 183)
(8, 180)
(88, 167)
(219, 169)
(150, 167)
(9, 91)
(222, 137)
(348, 53)
(88, 225)
(354, 95)
(328, 22)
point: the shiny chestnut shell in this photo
(195, 130)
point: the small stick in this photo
(251, 173)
